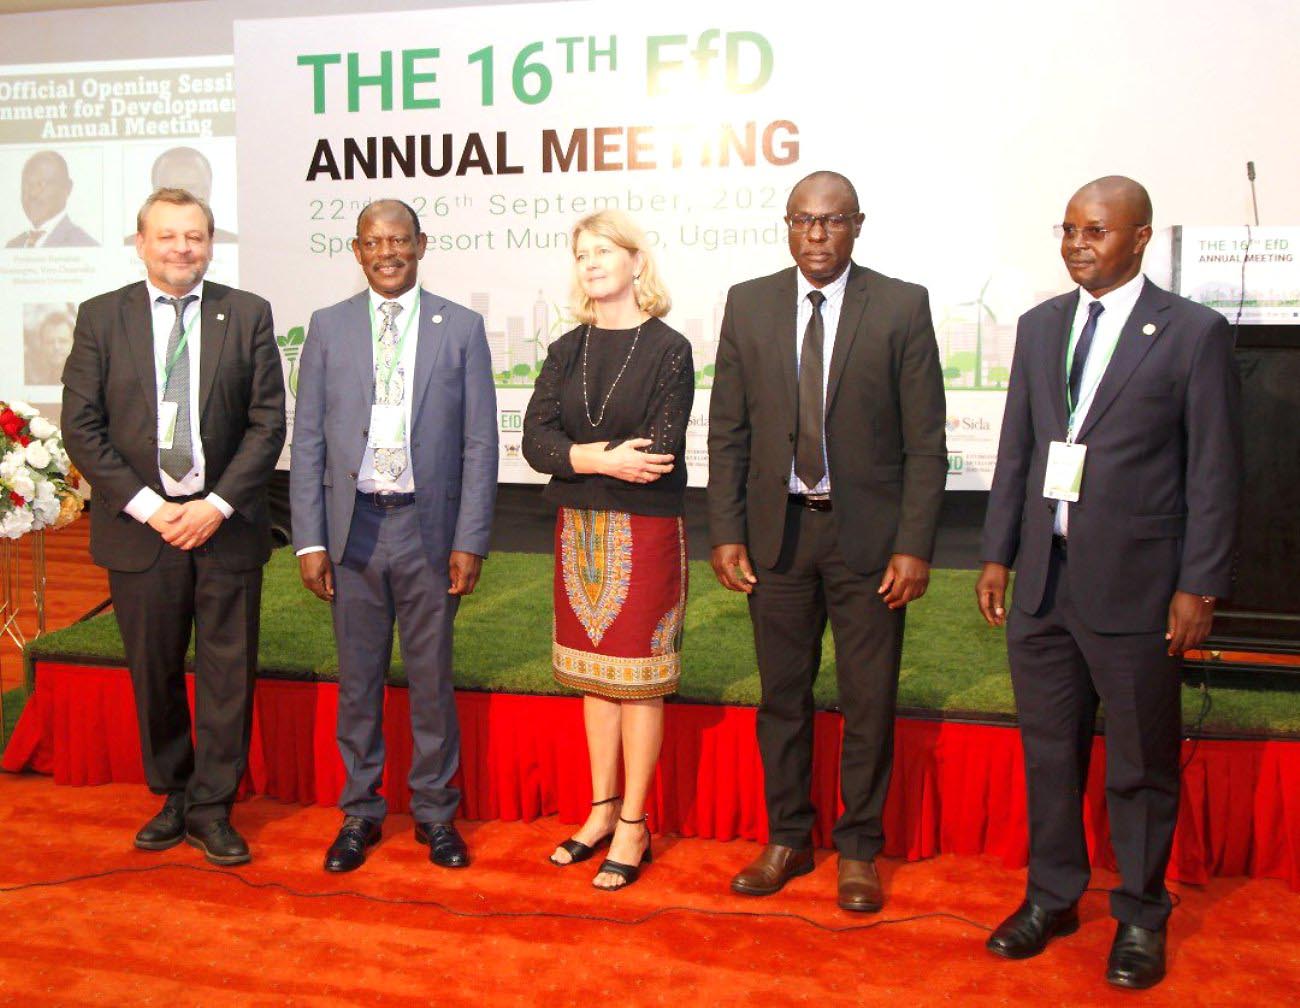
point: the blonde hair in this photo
(650, 293)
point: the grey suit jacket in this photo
(1162, 475)
(65, 235)
(452, 438)
(884, 420)
(110, 419)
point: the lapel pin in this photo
(1149, 329)
(436, 319)
(221, 318)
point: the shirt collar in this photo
(832, 290)
(1119, 301)
(155, 293)
(407, 300)
(49, 225)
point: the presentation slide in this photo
(81, 147)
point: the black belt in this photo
(386, 499)
(810, 502)
(186, 498)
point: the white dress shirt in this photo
(1118, 306)
(144, 504)
(368, 481)
(47, 228)
(834, 292)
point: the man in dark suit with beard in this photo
(827, 465)
(173, 408)
(1115, 498)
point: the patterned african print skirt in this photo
(620, 596)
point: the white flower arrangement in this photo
(39, 486)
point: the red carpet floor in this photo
(169, 929)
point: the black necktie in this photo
(1081, 351)
(809, 465)
(178, 460)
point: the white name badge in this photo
(166, 424)
(387, 426)
(1064, 474)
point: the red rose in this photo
(16, 499)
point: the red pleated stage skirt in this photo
(620, 598)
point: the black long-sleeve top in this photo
(652, 400)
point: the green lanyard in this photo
(375, 331)
(1070, 404)
(181, 345)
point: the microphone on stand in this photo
(1250, 174)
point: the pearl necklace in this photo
(586, 404)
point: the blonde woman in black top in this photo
(608, 421)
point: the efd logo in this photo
(512, 420)
(955, 463)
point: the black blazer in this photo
(110, 420)
(1158, 505)
(884, 420)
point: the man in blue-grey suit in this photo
(392, 484)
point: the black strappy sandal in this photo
(579, 851)
(628, 873)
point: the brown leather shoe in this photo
(772, 869)
(860, 886)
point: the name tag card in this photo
(387, 426)
(166, 424)
(1064, 474)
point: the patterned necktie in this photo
(33, 236)
(809, 465)
(1081, 350)
(178, 460)
(390, 462)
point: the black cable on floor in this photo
(501, 914)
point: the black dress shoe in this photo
(1027, 931)
(219, 842)
(446, 847)
(356, 837)
(1137, 957)
(167, 828)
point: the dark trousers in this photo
(1060, 670)
(386, 576)
(789, 608)
(155, 610)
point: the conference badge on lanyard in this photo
(1064, 474)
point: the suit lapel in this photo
(359, 339)
(212, 338)
(427, 348)
(1144, 326)
(781, 352)
(851, 313)
(1058, 339)
(137, 324)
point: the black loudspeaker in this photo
(1268, 539)
(1255, 639)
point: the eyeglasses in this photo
(833, 223)
(1091, 233)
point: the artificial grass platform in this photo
(953, 664)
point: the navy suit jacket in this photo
(452, 437)
(1158, 505)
